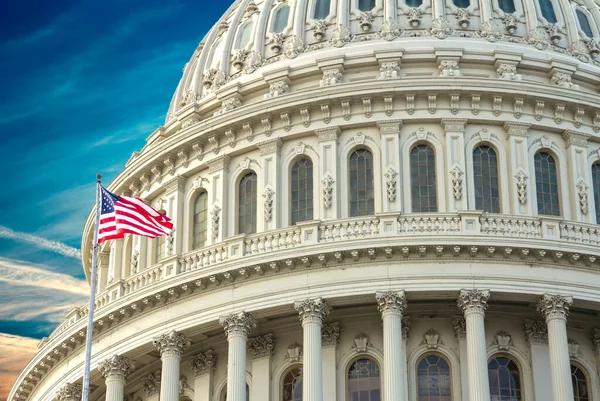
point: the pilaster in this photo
(595, 337)
(519, 177)
(218, 171)
(580, 195)
(203, 366)
(328, 149)
(454, 130)
(262, 349)
(330, 335)
(151, 385)
(390, 164)
(460, 331)
(269, 216)
(536, 333)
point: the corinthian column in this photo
(555, 309)
(171, 346)
(391, 305)
(237, 327)
(115, 370)
(69, 392)
(473, 303)
(312, 313)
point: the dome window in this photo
(414, 3)
(361, 186)
(546, 184)
(596, 188)
(580, 384)
(364, 381)
(462, 3)
(247, 204)
(245, 35)
(584, 23)
(505, 379)
(485, 177)
(366, 5)
(200, 219)
(548, 11)
(508, 6)
(292, 385)
(280, 19)
(321, 10)
(302, 190)
(215, 58)
(423, 180)
(433, 379)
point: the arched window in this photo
(291, 386)
(215, 57)
(580, 384)
(414, 3)
(433, 379)
(422, 179)
(364, 383)
(485, 179)
(361, 189)
(546, 183)
(247, 204)
(280, 19)
(366, 5)
(584, 23)
(548, 11)
(302, 190)
(321, 9)
(596, 189)
(461, 3)
(200, 219)
(245, 35)
(508, 6)
(224, 397)
(505, 379)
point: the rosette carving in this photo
(116, 367)
(204, 362)
(262, 346)
(312, 310)
(238, 324)
(554, 306)
(473, 301)
(393, 302)
(173, 342)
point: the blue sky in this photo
(83, 84)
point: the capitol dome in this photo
(374, 200)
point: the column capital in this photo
(151, 384)
(460, 326)
(391, 302)
(220, 163)
(270, 146)
(330, 334)
(554, 306)
(473, 301)
(454, 124)
(312, 310)
(205, 362)
(536, 331)
(596, 340)
(237, 324)
(173, 342)
(328, 134)
(406, 327)
(516, 128)
(390, 126)
(262, 346)
(575, 138)
(69, 392)
(175, 184)
(116, 367)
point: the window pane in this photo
(548, 11)
(580, 386)
(505, 380)
(247, 204)
(414, 3)
(462, 3)
(423, 182)
(361, 183)
(292, 385)
(433, 379)
(508, 6)
(546, 181)
(596, 189)
(364, 382)
(280, 20)
(485, 174)
(302, 190)
(215, 60)
(321, 9)
(584, 23)
(200, 219)
(246, 35)
(366, 5)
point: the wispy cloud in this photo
(40, 242)
(15, 352)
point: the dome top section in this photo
(255, 33)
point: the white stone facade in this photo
(192, 319)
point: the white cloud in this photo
(40, 242)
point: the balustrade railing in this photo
(512, 226)
(345, 230)
(429, 224)
(272, 241)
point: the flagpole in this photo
(90, 327)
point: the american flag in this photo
(120, 215)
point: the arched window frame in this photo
(347, 181)
(283, 376)
(237, 200)
(295, 152)
(347, 371)
(442, 350)
(216, 53)
(516, 361)
(472, 8)
(354, 7)
(344, 176)
(221, 387)
(431, 139)
(522, 361)
(576, 7)
(274, 12)
(587, 379)
(558, 156)
(519, 11)
(557, 11)
(503, 167)
(240, 30)
(588, 368)
(561, 204)
(594, 211)
(436, 162)
(437, 354)
(348, 359)
(315, 186)
(311, 11)
(192, 214)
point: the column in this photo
(519, 175)
(536, 333)
(392, 304)
(330, 335)
(203, 366)
(578, 185)
(328, 145)
(473, 304)
(237, 327)
(269, 216)
(69, 392)
(312, 313)
(261, 349)
(115, 370)
(454, 131)
(390, 164)
(460, 330)
(171, 346)
(218, 170)
(555, 309)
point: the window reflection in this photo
(361, 185)
(422, 179)
(505, 380)
(364, 383)
(546, 183)
(302, 190)
(433, 379)
(485, 179)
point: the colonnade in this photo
(312, 312)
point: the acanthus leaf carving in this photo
(457, 183)
(268, 207)
(319, 28)
(449, 68)
(204, 363)
(521, 186)
(431, 339)
(295, 47)
(341, 36)
(582, 193)
(390, 182)
(215, 218)
(330, 334)
(331, 76)
(361, 343)
(508, 72)
(327, 182)
(441, 28)
(463, 16)
(510, 22)
(389, 70)
(390, 30)
(262, 346)
(414, 15)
